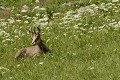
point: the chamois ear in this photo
(38, 30)
(34, 31)
(31, 32)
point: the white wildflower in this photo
(15, 48)
(70, 12)
(18, 65)
(16, 31)
(103, 7)
(90, 31)
(18, 20)
(45, 15)
(7, 34)
(42, 9)
(48, 41)
(25, 16)
(23, 11)
(37, 14)
(39, 9)
(77, 16)
(36, 8)
(2, 33)
(11, 78)
(23, 34)
(74, 54)
(35, 18)
(25, 8)
(11, 21)
(94, 6)
(43, 19)
(40, 63)
(16, 36)
(28, 17)
(37, 1)
(76, 27)
(60, 23)
(101, 27)
(3, 23)
(6, 40)
(44, 24)
(65, 34)
(81, 10)
(116, 26)
(91, 68)
(18, 14)
(79, 24)
(82, 28)
(2, 19)
(1, 67)
(66, 22)
(26, 22)
(55, 14)
(13, 8)
(115, 0)
(119, 23)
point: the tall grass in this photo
(83, 39)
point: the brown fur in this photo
(36, 49)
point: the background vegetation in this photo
(83, 36)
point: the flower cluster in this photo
(84, 18)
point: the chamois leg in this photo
(20, 53)
(44, 48)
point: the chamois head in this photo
(36, 39)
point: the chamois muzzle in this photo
(35, 36)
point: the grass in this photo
(84, 45)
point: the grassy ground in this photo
(84, 39)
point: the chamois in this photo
(37, 48)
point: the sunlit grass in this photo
(84, 42)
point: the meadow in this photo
(83, 37)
